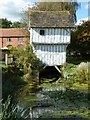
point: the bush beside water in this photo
(83, 71)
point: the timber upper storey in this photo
(52, 19)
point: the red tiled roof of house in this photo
(13, 32)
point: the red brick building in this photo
(16, 37)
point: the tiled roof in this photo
(51, 19)
(12, 32)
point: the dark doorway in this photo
(50, 72)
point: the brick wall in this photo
(14, 34)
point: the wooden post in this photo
(6, 58)
(5, 50)
(0, 90)
(2, 42)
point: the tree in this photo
(84, 32)
(25, 17)
(26, 60)
(18, 25)
(80, 40)
(4, 23)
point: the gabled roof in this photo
(51, 19)
(13, 32)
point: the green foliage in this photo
(26, 67)
(82, 71)
(26, 61)
(13, 73)
(75, 76)
(69, 75)
(80, 86)
(8, 89)
(76, 59)
(69, 94)
(84, 32)
(24, 70)
(70, 78)
(11, 80)
(24, 57)
(18, 25)
(4, 23)
(11, 111)
(80, 41)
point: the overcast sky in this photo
(11, 9)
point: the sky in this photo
(12, 9)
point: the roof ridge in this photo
(50, 11)
(10, 28)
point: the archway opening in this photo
(50, 72)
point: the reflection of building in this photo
(16, 37)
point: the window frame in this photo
(9, 39)
(20, 39)
(42, 32)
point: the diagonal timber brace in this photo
(57, 69)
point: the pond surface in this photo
(52, 100)
(37, 102)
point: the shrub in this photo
(12, 111)
(83, 72)
(9, 111)
(12, 79)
